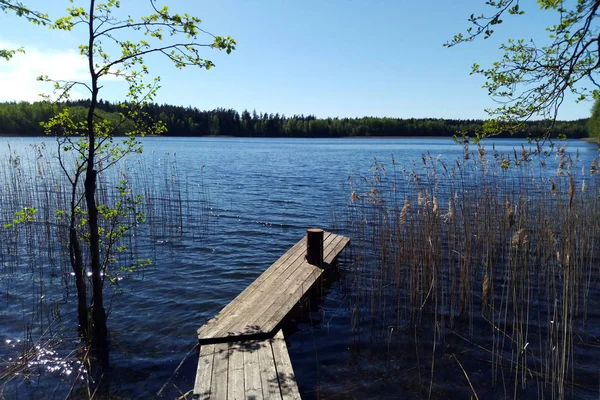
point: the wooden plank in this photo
(327, 250)
(294, 253)
(215, 324)
(263, 295)
(268, 372)
(287, 300)
(286, 296)
(266, 296)
(235, 378)
(252, 383)
(204, 372)
(239, 318)
(289, 295)
(253, 304)
(285, 372)
(282, 270)
(337, 249)
(270, 295)
(218, 386)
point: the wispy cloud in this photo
(18, 77)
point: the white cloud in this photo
(18, 77)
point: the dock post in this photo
(314, 247)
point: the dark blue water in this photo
(259, 197)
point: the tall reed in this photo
(498, 252)
(37, 285)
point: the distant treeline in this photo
(23, 119)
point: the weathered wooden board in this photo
(254, 369)
(232, 310)
(285, 372)
(259, 309)
(268, 371)
(220, 372)
(204, 372)
(252, 382)
(235, 382)
(336, 248)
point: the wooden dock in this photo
(243, 354)
(253, 369)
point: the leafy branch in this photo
(529, 81)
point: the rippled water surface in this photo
(260, 196)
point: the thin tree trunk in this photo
(76, 259)
(99, 330)
(99, 334)
(77, 265)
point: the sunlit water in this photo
(261, 195)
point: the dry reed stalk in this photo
(34, 257)
(499, 251)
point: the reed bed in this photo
(488, 266)
(36, 281)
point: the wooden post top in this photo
(314, 247)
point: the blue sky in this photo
(338, 58)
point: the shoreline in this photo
(586, 139)
(395, 137)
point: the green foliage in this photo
(118, 219)
(116, 274)
(8, 54)
(92, 138)
(531, 81)
(86, 135)
(21, 10)
(88, 131)
(156, 29)
(22, 119)
(28, 119)
(27, 214)
(594, 121)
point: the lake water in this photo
(259, 195)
